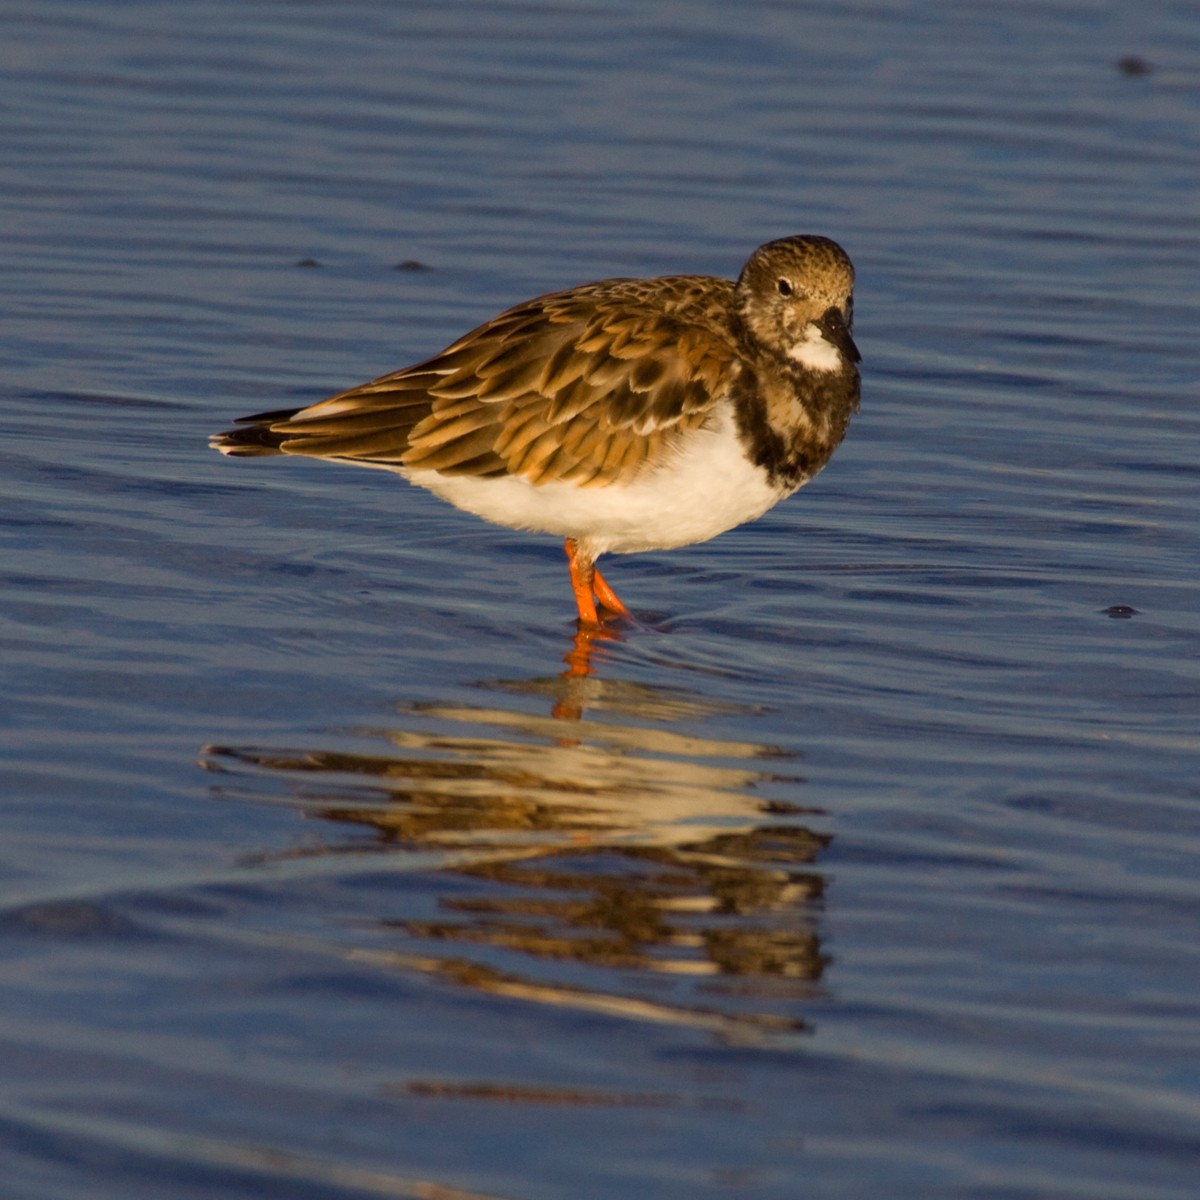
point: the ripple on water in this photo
(866, 860)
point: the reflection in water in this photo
(616, 844)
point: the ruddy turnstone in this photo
(624, 415)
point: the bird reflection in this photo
(587, 823)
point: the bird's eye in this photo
(785, 288)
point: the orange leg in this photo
(607, 597)
(583, 575)
(589, 586)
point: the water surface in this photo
(335, 863)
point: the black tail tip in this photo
(255, 437)
(246, 443)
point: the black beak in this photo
(835, 331)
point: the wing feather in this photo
(562, 369)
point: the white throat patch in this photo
(815, 353)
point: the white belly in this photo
(705, 488)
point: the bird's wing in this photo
(584, 386)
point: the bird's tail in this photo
(254, 436)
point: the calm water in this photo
(333, 865)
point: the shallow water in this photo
(335, 864)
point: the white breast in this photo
(705, 488)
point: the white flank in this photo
(815, 352)
(707, 487)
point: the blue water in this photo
(333, 863)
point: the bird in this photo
(626, 415)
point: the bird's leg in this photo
(607, 597)
(583, 575)
(589, 586)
